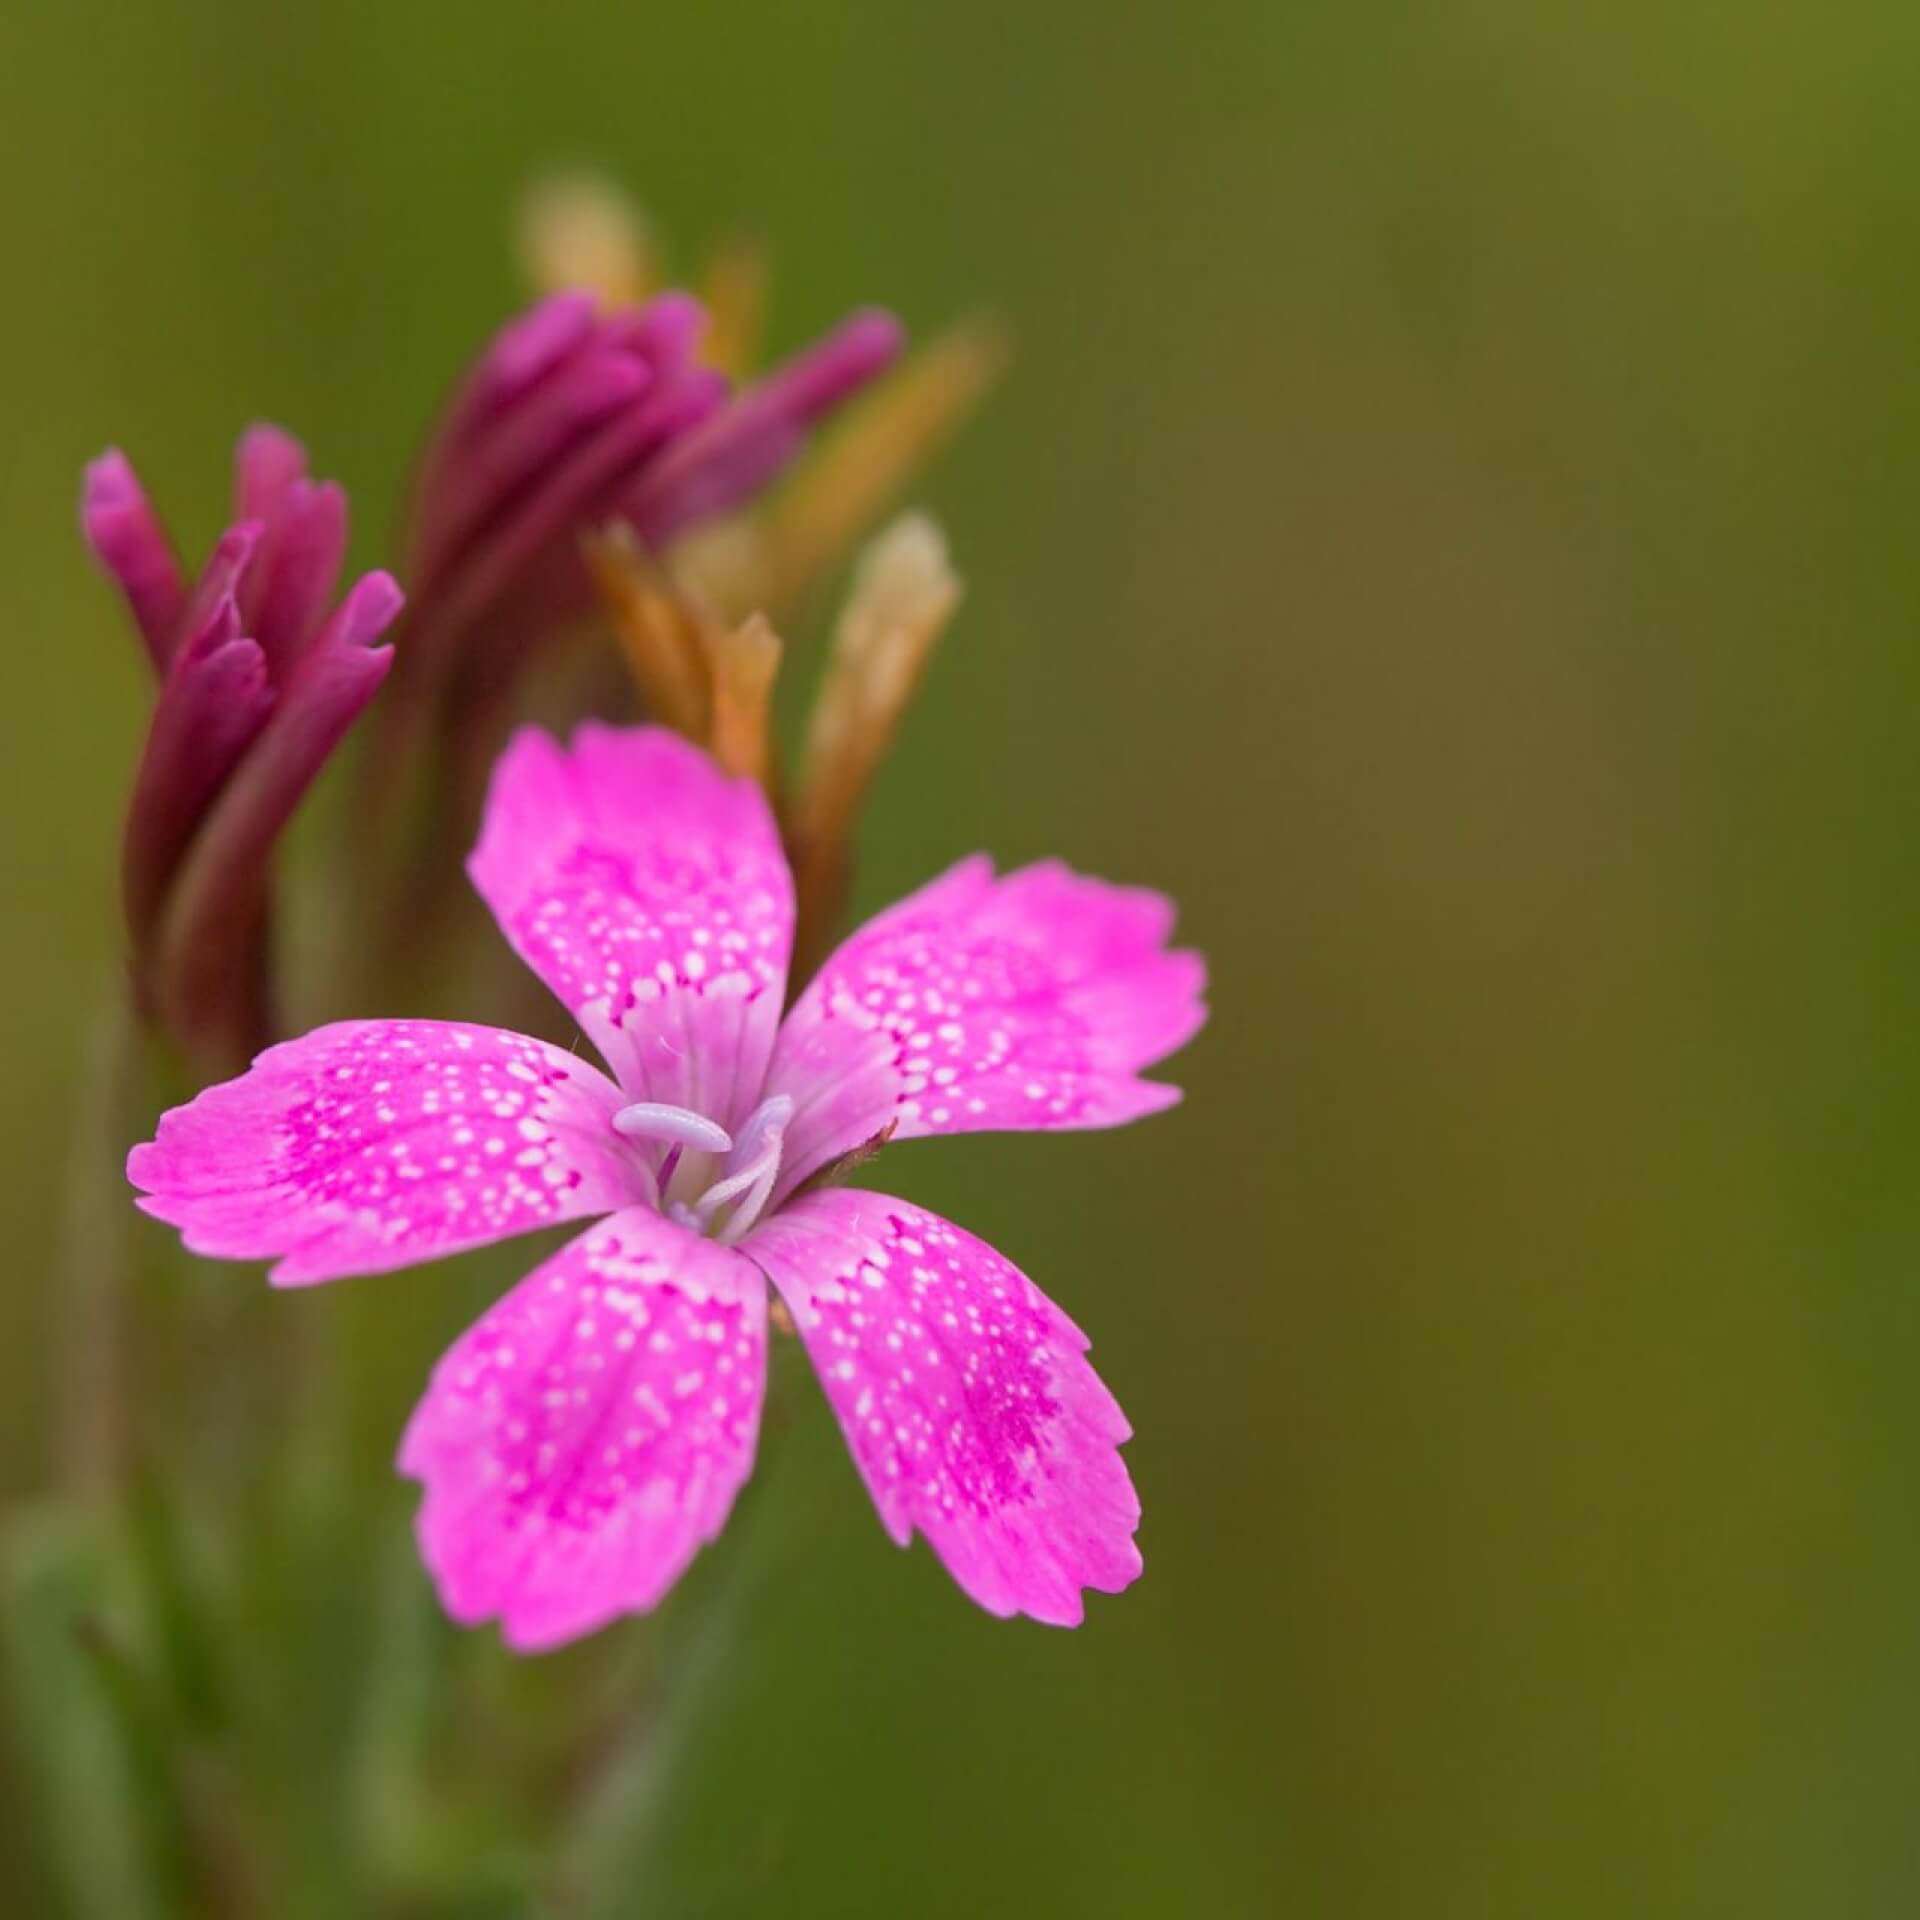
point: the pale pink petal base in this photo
(374, 1144)
(1028, 1001)
(650, 893)
(584, 1439)
(965, 1397)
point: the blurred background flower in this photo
(1448, 525)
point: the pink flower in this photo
(259, 677)
(571, 418)
(588, 1434)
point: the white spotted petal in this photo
(1030, 1000)
(649, 891)
(585, 1437)
(966, 1399)
(376, 1144)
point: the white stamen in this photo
(655, 1120)
(752, 1164)
(755, 1165)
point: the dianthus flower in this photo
(259, 676)
(583, 1439)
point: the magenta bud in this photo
(258, 684)
(129, 541)
(568, 421)
(734, 456)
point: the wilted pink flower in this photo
(572, 418)
(581, 1441)
(258, 681)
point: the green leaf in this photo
(110, 1837)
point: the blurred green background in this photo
(1451, 523)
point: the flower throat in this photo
(709, 1180)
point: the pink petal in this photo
(1030, 1001)
(523, 352)
(558, 414)
(227, 573)
(574, 402)
(128, 540)
(268, 463)
(649, 892)
(526, 412)
(584, 1439)
(964, 1394)
(290, 585)
(720, 464)
(665, 332)
(375, 1144)
(527, 572)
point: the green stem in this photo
(612, 1858)
(94, 1301)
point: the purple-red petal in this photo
(292, 581)
(206, 946)
(268, 463)
(130, 542)
(714, 469)
(211, 706)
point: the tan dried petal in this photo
(742, 662)
(734, 289)
(579, 232)
(871, 456)
(904, 592)
(660, 630)
(723, 565)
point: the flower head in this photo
(573, 417)
(580, 234)
(587, 1434)
(260, 674)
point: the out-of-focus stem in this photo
(608, 1865)
(94, 1301)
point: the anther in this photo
(656, 1120)
(756, 1166)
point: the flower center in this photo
(709, 1180)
